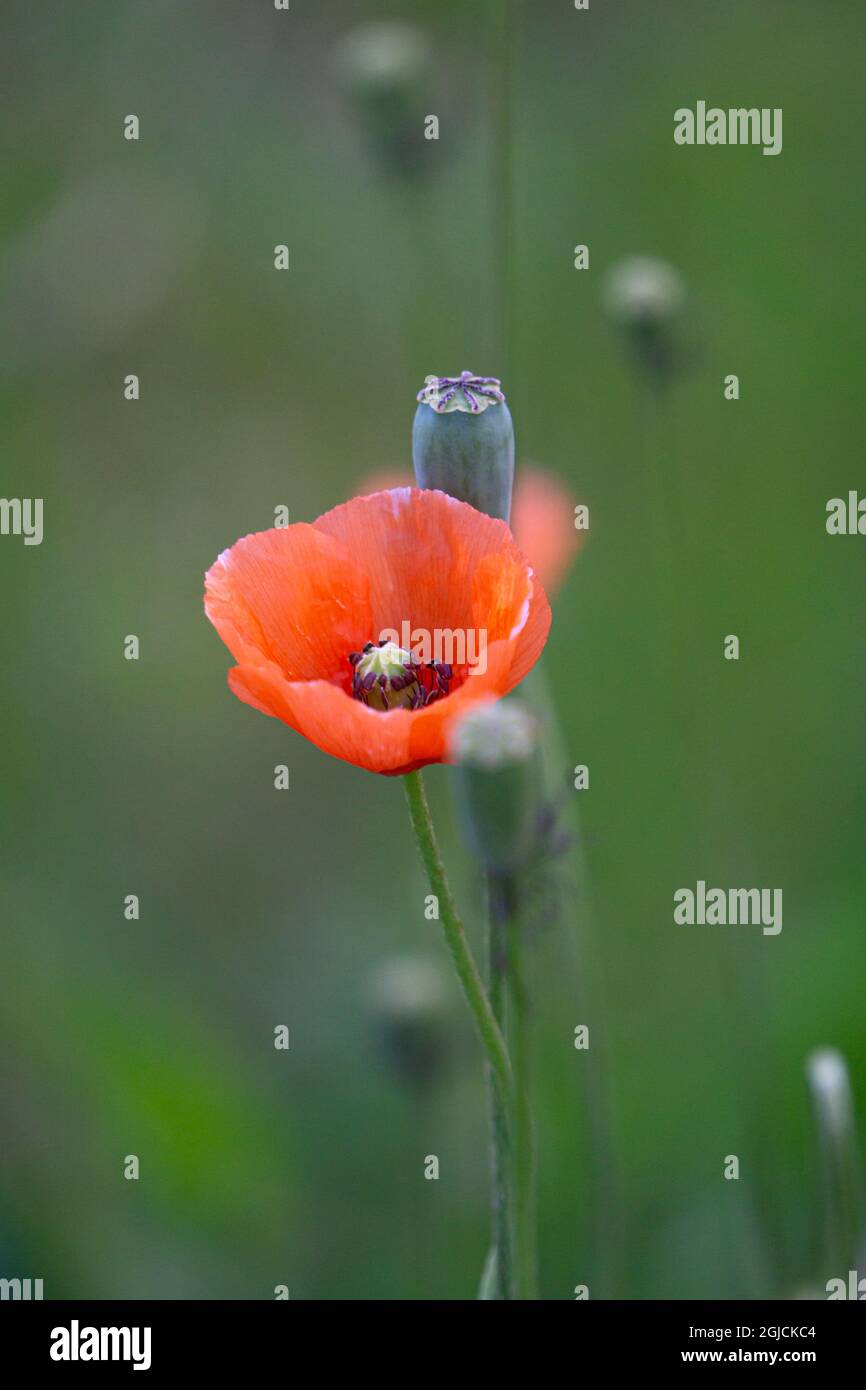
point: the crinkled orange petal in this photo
(542, 519)
(294, 596)
(290, 605)
(390, 743)
(421, 551)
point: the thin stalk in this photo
(503, 19)
(740, 977)
(500, 1155)
(455, 938)
(526, 1245)
(605, 1210)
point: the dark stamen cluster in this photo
(441, 672)
(431, 681)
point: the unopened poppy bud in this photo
(384, 66)
(644, 295)
(463, 441)
(495, 748)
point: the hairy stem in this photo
(455, 938)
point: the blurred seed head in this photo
(843, 1210)
(495, 734)
(409, 1006)
(384, 55)
(645, 296)
(644, 290)
(408, 986)
(496, 748)
(829, 1083)
(385, 67)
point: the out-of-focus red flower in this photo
(542, 520)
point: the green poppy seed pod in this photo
(495, 746)
(463, 441)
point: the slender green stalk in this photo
(525, 1241)
(504, 19)
(586, 990)
(500, 1149)
(502, 22)
(455, 937)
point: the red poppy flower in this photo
(304, 611)
(542, 520)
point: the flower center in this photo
(388, 677)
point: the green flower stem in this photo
(455, 937)
(500, 1148)
(606, 1206)
(525, 1238)
(502, 22)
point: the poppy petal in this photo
(421, 551)
(293, 595)
(292, 603)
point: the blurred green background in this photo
(258, 389)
